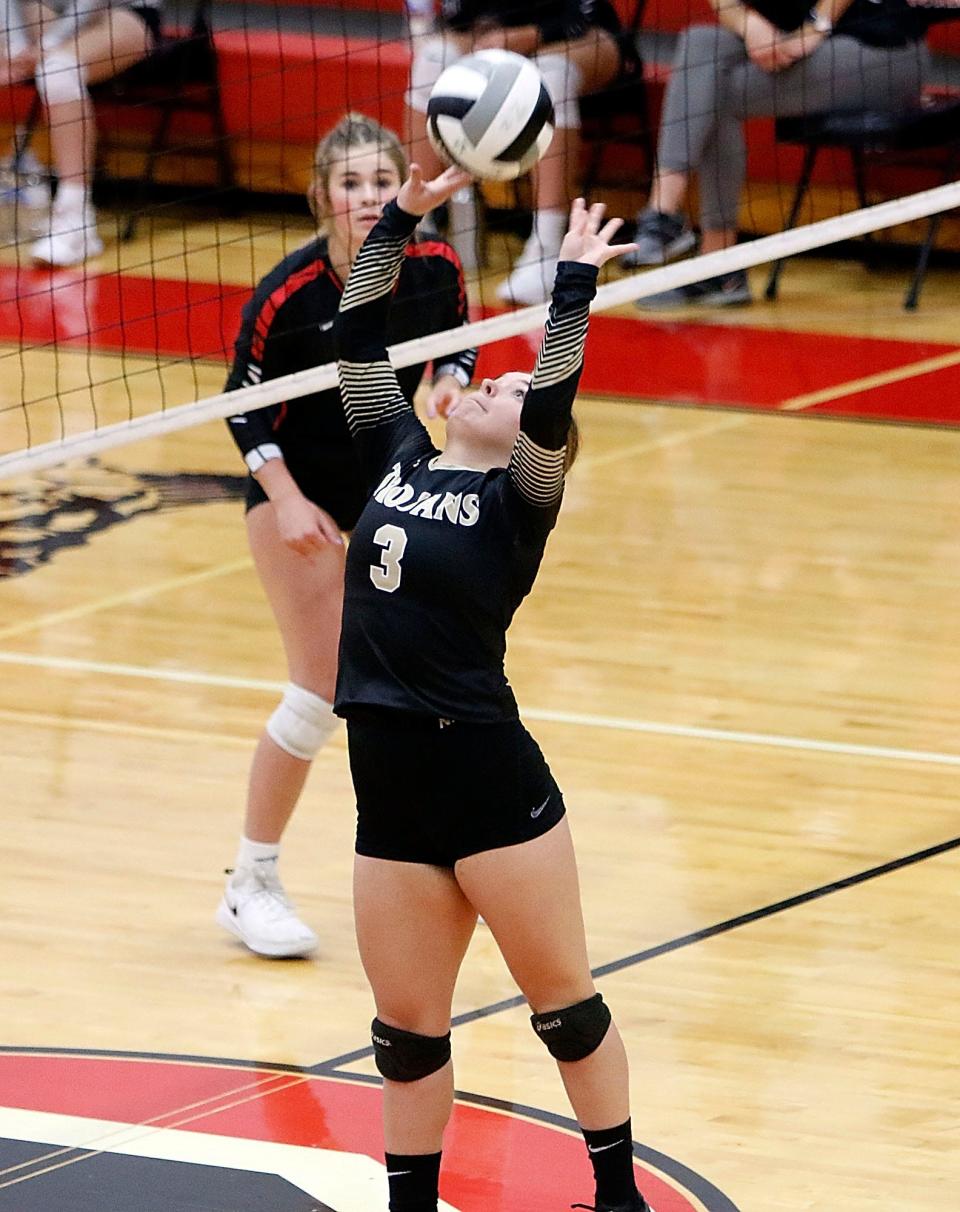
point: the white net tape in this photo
(495, 328)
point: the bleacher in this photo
(288, 70)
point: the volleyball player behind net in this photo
(306, 488)
(458, 813)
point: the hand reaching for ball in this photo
(417, 196)
(586, 241)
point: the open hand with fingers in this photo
(417, 196)
(586, 241)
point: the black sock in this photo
(611, 1155)
(414, 1181)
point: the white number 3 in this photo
(386, 574)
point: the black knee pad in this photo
(404, 1056)
(574, 1033)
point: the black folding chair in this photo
(875, 136)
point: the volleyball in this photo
(490, 114)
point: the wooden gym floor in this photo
(741, 660)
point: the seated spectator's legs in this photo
(705, 57)
(569, 70)
(841, 73)
(107, 45)
(714, 87)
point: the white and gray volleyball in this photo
(490, 113)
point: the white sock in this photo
(72, 199)
(256, 854)
(549, 228)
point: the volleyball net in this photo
(134, 343)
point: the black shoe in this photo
(726, 290)
(659, 238)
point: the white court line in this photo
(350, 1182)
(544, 715)
(650, 445)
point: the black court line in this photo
(685, 940)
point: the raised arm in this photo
(537, 464)
(368, 384)
(372, 398)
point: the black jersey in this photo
(442, 557)
(873, 22)
(288, 326)
(557, 20)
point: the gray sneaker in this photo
(659, 238)
(726, 290)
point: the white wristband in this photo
(256, 458)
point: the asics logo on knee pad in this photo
(405, 1056)
(576, 1032)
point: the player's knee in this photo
(405, 1056)
(60, 77)
(302, 723)
(564, 83)
(574, 1033)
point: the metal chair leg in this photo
(157, 144)
(933, 227)
(803, 184)
(858, 164)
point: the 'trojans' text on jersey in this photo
(462, 509)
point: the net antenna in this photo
(743, 256)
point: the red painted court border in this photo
(338, 1111)
(651, 360)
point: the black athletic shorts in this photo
(342, 497)
(434, 791)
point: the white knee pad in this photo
(564, 82)
(59, 77)
(430, 57)
(303, 723)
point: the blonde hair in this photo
(353, 130)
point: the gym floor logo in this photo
(95, 1132)
(48, 512)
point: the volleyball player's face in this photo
(358, 187)
(491, 416)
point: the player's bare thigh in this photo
(529, 896)
(306, 596)
(413, 928)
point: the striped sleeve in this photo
(377, 411)
(536, 464)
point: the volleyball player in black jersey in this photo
(306, 486)
(458, 813)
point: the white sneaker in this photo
(256, 910)
(71, 239)
(532, 278)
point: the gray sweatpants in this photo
(713, 87)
